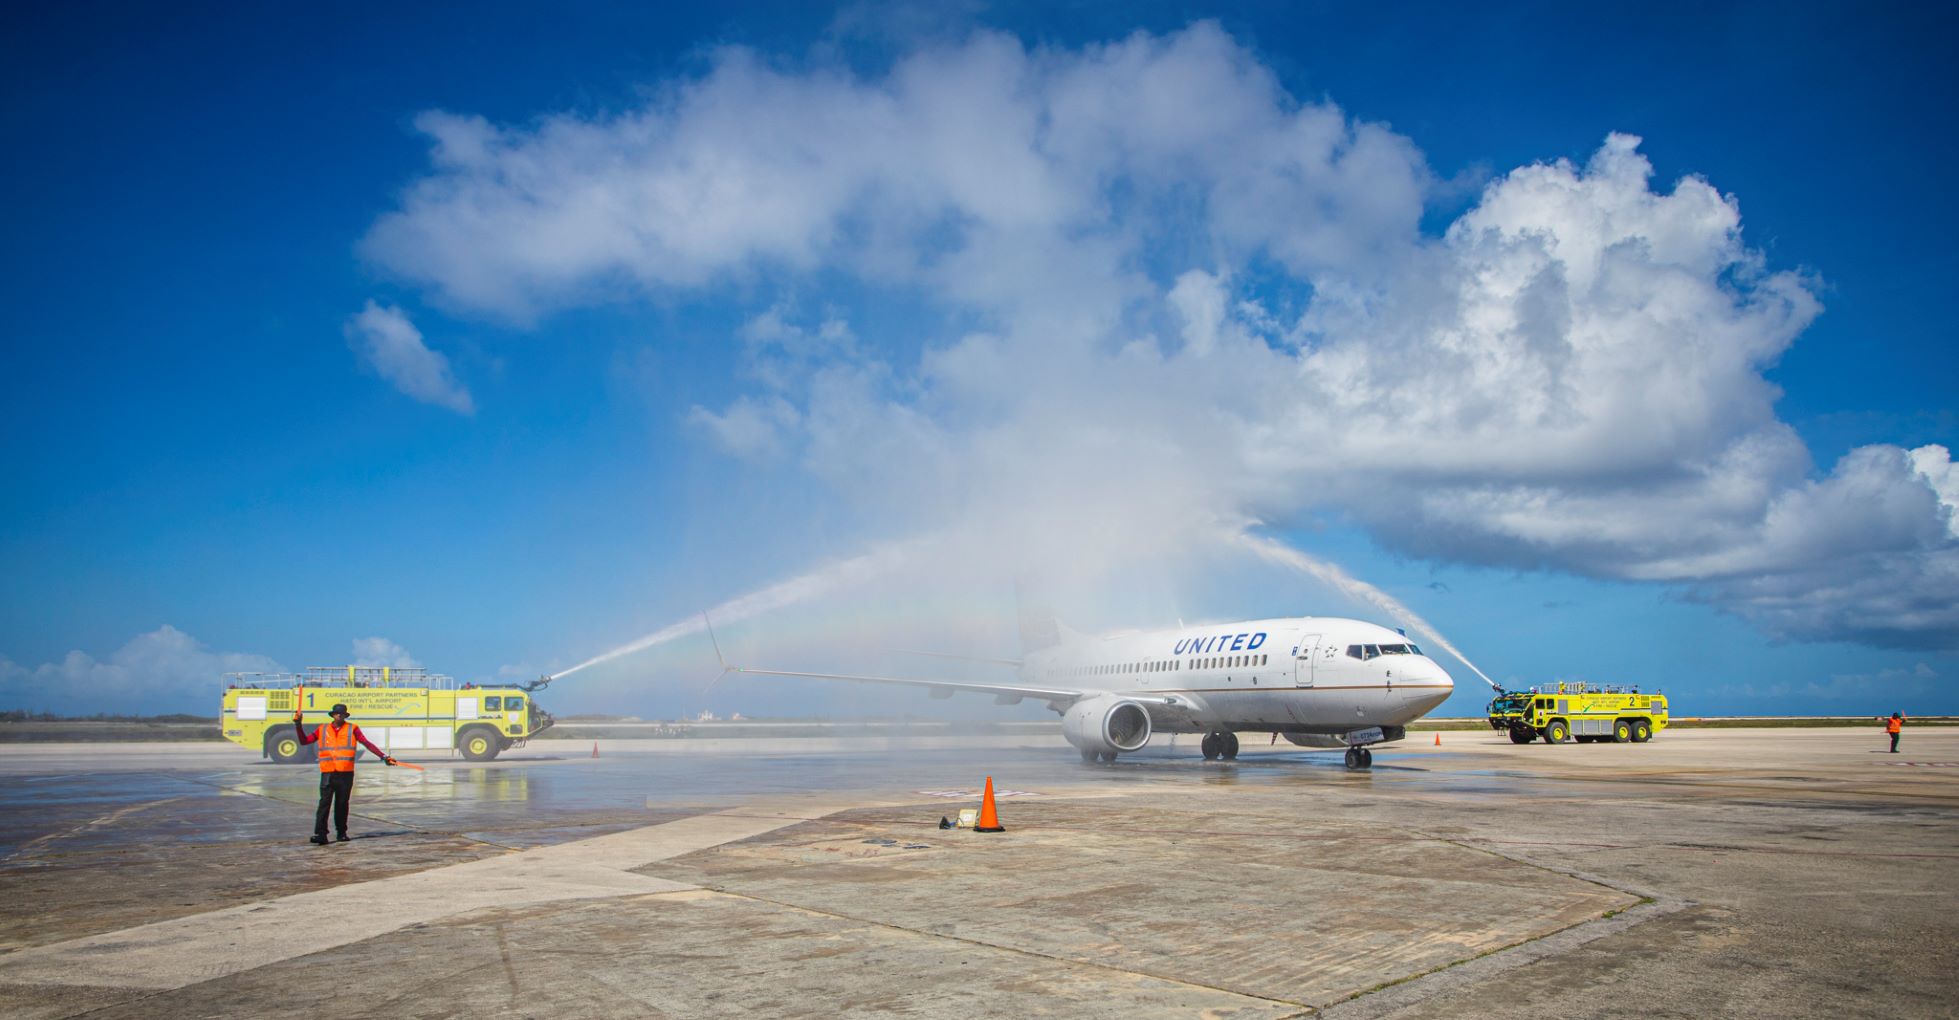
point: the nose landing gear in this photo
(1359, 758)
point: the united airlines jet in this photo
(1318, 681)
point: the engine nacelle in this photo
(1106, 724)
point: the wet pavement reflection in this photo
(533, 797)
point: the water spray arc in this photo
(1353, 587)
(780, 595)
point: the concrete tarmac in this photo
(1773, 872)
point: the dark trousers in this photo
(336, 789)
(1894, 742)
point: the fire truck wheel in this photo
(1622, 731)
(1557, 732)
(282, 746)
(1642, 731)
(478, 744)
(1522, 735)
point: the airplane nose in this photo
(1438, 682)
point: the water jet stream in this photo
(1273, 551)
(776, 596)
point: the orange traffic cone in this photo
(595, 748)
(1438, 740)
(989, 819)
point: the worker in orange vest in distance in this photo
(1894, 726)
(336, 740)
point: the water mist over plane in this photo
(1175, 295)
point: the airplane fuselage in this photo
(1294, 675)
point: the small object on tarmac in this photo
(944, 822)
(918, 846)
(321, 840)
(879, 841)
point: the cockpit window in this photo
(1356, 652)
(1371, 651)
(1394, 649)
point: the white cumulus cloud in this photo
(1181, 302)
(393, 347)
(379, 651)
(165, 670)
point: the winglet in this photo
(716, 642)
(725, 668)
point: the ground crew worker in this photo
(1894, 726)
(336, 740)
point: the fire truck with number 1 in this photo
(403, 710)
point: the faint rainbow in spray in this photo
(888, 558)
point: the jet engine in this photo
(1106, 724)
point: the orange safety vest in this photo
(336, 749)
(1894, 725)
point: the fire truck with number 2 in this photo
(1587, 713)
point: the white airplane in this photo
(1318, 681)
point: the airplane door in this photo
(1303, 659)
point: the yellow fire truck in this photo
(402, 710)
(1587, 713)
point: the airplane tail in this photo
(1038, 628)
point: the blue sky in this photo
(990, 289)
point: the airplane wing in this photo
(1058, 698)
(1005, 694)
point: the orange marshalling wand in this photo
(989, 819)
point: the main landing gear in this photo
(1091, 757)
(1220, 744)
(1359, 758)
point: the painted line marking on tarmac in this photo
(109, 819)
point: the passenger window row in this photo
(1171, 665)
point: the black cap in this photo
(337, 710)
